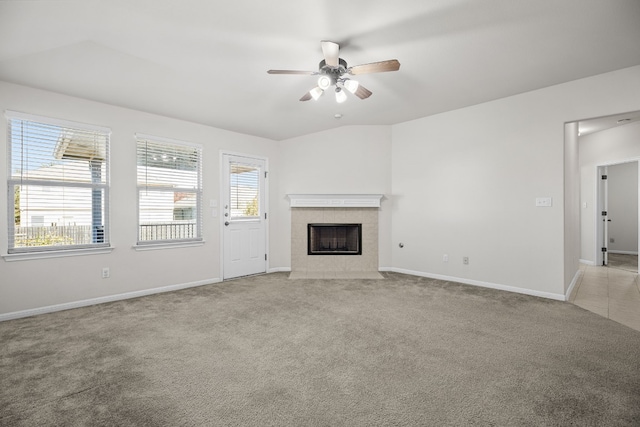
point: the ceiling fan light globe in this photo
(351, 85)
(316, 93)
(324, 82)
(340, 96)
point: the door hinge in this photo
(265, 215)
(265, 174)
(265, 257)
(604, 176)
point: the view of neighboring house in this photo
(68, 211)
(35, 201)
(36, 209)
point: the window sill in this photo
(26, 256)
(166, 245)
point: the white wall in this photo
(612, 146)
(462, 183)
(465, 183)
(571, 206)
(346, 160)
(44, 282)
(623, 207)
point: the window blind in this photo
(169, 191)
(58, 184)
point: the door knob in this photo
(226, 223)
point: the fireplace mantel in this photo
(335, 200)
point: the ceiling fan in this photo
(332, 71)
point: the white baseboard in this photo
(624, 252)
(532, 292)
(101, 300)
(136, 294)
(587, 262)
(576, 278)
(279, 270)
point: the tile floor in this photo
(612, 292)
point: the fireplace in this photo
(357, 211)
(334, 239)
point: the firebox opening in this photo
(334, 239)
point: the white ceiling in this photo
(206, 60)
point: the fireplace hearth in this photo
(334, 239)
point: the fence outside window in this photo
(74, 235)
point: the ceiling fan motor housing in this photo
(333, 72)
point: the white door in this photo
(244, 216)
(603, 206)
(622, 214)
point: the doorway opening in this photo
(618, 224)
(590, 144)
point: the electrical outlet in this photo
(465, 260)
(445, 258)
(546, 202)
(106, 273)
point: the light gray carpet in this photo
(623, 262)
(266, 350)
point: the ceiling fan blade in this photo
(375, 67)
(308, 73)
(362, 92)
(330, 50)
(314, 93)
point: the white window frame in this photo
(141, 187)
(49, 251)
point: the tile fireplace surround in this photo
(334, 209)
